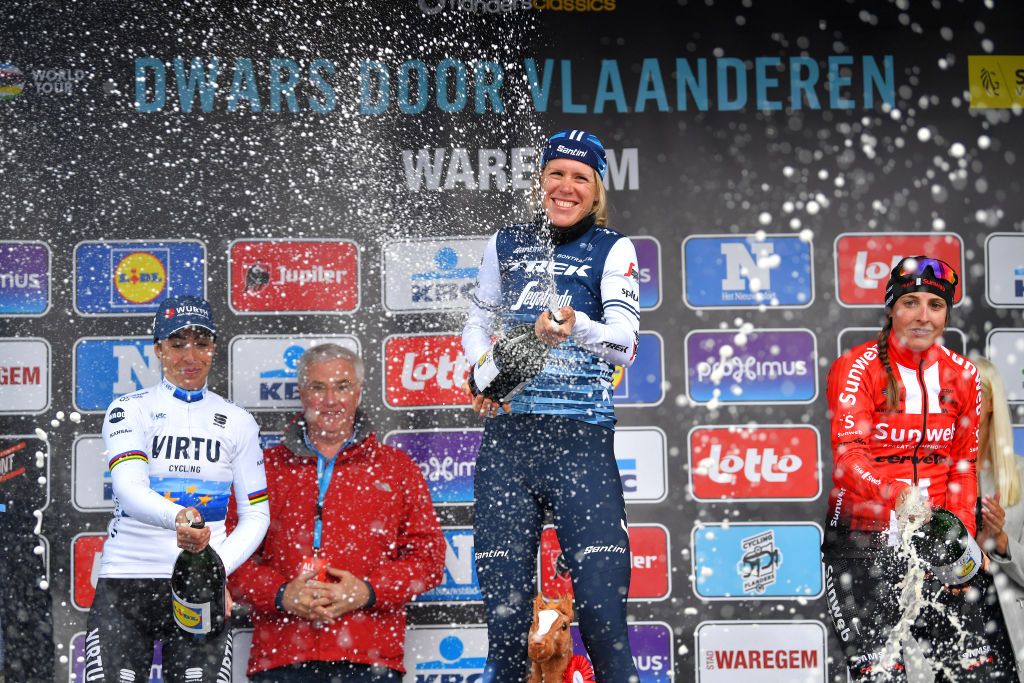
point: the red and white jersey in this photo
(874, 451)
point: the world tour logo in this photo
(764, 366)
(193, 85)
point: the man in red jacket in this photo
(353, 537)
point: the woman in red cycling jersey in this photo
(904, 413)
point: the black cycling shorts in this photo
(127, 616)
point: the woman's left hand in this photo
(333, 599)
(552, 333)
(994, 518)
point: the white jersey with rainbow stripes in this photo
(168, 448)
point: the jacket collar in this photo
(899, 353)
(182, 394)
(294, 438)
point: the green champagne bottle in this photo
(509, 364)
(947, 548)
(197, 589)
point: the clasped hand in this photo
(325, 601)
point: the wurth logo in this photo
(551, 268)
(422, 371)
(766, 463)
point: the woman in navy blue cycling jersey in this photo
(551, 447)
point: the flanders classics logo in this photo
(996, 82)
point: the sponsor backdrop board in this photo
(339, 180)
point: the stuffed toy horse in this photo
(550, 644)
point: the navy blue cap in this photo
(178, 312)
(578, 145)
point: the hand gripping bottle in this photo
(947, 548)
(197, 589)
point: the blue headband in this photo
(578, 145)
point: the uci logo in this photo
(140, 277)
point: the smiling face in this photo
(186, 356)
(570, 191)
(330, 394)
(919, 319)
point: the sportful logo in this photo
(293, 276)
(743, 464)
(762, 366)
(264, 368)
(863, 262)
(138, 275)
(430, 275)
(424, 371)
(108, 367)
(747, 271)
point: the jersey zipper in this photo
(924, 415)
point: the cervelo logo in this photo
(535, 294)
(551, 268)
(424, 371)
(743, 464)
(729, 651)
(863, 262)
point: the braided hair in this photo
(892, 391)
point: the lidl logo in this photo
(460, 582)
(108, 367)
(747, 271)
(140, 277)
(132, 277)
(996, 81)
(754, 561)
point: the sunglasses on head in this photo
(912, 267)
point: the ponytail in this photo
(892, 391)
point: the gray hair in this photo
(325, 352)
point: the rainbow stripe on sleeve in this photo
(125, 457)
(258, 497)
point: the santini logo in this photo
(571, 152)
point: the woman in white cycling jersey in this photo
(172, 448)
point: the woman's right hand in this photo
(190, 539)
(483, 405)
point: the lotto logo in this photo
(864, 261)
(424, 371)
(770, 462)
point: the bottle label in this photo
(191, 616)
(485, 370)
(963, 569)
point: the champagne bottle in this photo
(509, 364)
(197, 589)
(947, 548)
